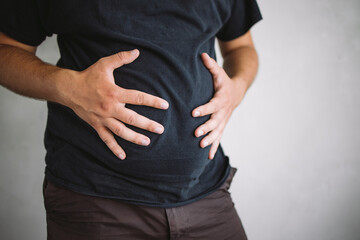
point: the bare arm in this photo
(24, 73)
(230, 83)
(240, 60)
(92, 93)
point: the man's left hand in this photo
(228, 95)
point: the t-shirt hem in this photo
(76, 188)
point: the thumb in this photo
(119, 59)
(210, 64)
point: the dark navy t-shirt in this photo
(173, 169)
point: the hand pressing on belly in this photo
(226, 98)
(93, 95)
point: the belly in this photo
(177, 150)
(182, 80)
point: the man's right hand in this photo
(93, 95)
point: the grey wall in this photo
(295, 138)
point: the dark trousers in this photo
(75, 216)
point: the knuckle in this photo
(131, 119)
(111, 145)
(121, 55)
(93, 122)
(213, 136)
(105, 106)
(118, 131)
(101, 62)
(213, 123)
(106, 140)
(111, 93)
(209, 125)
(140, 98)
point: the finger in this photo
(208, 126)
(211, 64)
(120, 58)
(131, 117)
(111, 143)
(214, 105)
(210, 138)
(126, 133)
(214, 148)
(141, 98)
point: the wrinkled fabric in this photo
(70, 215)
(173, 169)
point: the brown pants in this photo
(75, 216)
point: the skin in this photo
(24, 73)
(231, 83)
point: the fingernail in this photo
(134, 52)
(158, 130)
(196, 113)
(205, 143)
(144, 142)
(164, 105)
(121, 156)
(201, 132)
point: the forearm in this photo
(241, 65)
(24, 73)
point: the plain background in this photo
(295, 138)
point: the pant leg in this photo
(75, 216)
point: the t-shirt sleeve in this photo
(244, 14)
(20, 20)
